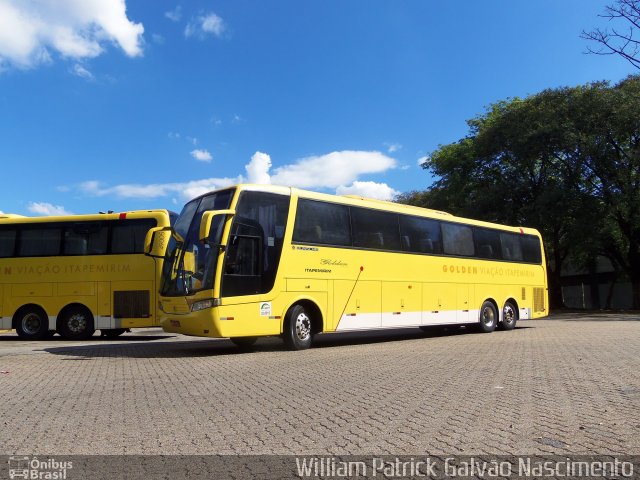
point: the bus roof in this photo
(357, 200)
(9, 218)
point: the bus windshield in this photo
(190, 264)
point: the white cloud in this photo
(44, 208)
(339, 170)
(392, 147)
(157, 38)
(201, 155)
(192, 140)
(185, 190)
(174, 15)
(203, 25)
(258, 168)
(422, 160)
(380, 191)
(76, 29)
(332, 170)
(82, 72)
(173, 135)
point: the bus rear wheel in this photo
(76, 323)
(298, 331)
(32, 324)
(509, 316)
(488, 317)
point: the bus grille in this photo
(524, 293)
(538, 300)
(131, 304)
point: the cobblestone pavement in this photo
(570, 384)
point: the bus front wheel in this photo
(298, 331)
(488, 317)
(76, 323)
(32, 324)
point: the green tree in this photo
(565, 161)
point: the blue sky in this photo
(102, 108)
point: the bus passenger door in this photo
(357, 306)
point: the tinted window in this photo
(320, 222)
(457, 240)
(39, 242)
(255, 243)
(487, 243)
(88, 238)
(420, 235)
(375, 229)
(511, 247)
(531, 250)
(127, 236)
(7, 242)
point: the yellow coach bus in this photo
(79, 273)
(253, 261)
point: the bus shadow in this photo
(223, 347)
(95, 339)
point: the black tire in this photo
(244, 343)
(298, 331)
(76, 323)
(509, 316)
(488, 318)
(32, 323)
(112, 332)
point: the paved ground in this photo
(567, 385)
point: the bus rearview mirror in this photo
(207, 220)
(155, 241)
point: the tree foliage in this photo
(623, 37)
(565, 161)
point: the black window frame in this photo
(63, 226)
(440, 222)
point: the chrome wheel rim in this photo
(31, 323)
(508, 314)
(488, 316)
(77, 323)
(303, 326)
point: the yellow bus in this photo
(79, 273)
(256, 260)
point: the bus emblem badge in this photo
(265, 309)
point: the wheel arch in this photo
(495, 305)
(317, 316)
(14, 318)
(515, 304)
(70, 306)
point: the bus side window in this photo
(88, 238)
(7, 242)
(458, 240)
(127, 236)
(422, 235)
(40, 242)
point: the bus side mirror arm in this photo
(150, 239)
(207, 219)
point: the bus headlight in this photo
(202, 304)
